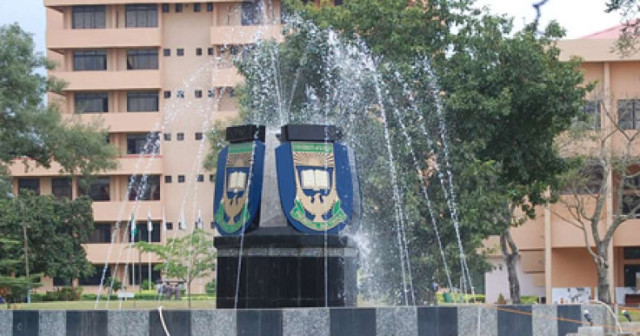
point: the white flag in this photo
(199, 222)
(149, 222)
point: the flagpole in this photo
(149, 226)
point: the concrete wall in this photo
(496, 282)
(537, 320)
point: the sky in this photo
(579, 17)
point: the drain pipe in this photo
(615, 317)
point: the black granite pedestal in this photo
(283, 268)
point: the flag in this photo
(134, 227)
(149, 223)
(182, 224)
(164, 222)
(199, 222)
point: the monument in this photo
(280, 212)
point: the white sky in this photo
(579, 17)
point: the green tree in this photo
(31, 129)
(186, 258)
(13, 288)
(627, 42)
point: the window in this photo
(101, 233)
(95, 102)
(338, 2)
(209, 6)
(198, 93)
(142, 271)
(213, 225)
(169, 225)
(200, 178)
(167, 179)
(210, 51)
(58, 282)
(251, 13)
(232, 92)
(632, 252)
(180, 51)
(143, 233)
(198, 136)
(591, 112)
(629, 114)
(144, 188)
(145, 143)
(197, 7)
(88, 17)
(97, 189)
(180, 94)
(212, 178)
(198, 51)
(29, 185)
(90, 60)
(630, 276)
(166, 52)
(588, 182)
(180, 178)
(141, 16)
(142, 101)
(167, 137)
(178, 8)
(167, 94)
(180, 136)
(96, 277)
(211, 93)
(631, 205)
(234, 50)
(61, 187)
(165, 8)
(142, 59)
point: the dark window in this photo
(211, 93)
(198, 135)
(61, 187)
(167, 137)
(143, 232)
(232, 92)
(145, 143)
(96, 277)
(234, 50)
(630, 275)
(180, 136)
(97, 189)
(251, 13)
(29, 184)
(141, 15)
(197, 7)
(213, 225)
(169, 225)
(90, 60)
(142, 101)
(209, 6)
(180, 94)
(198, 51)
(101, 233)
(95, 102)
(142, 271)
(58, 282)
(180, 52)
(180, 178)
(165, 8)
(200, 178)
(166, 52)
(212, 178)
(632, 252)
(591, 111)
(144, 189)
(167, 94)
(631, 205)
(88, 17)
(587, 182)
(629, 114)
(168, 179)
(142, 59)
(178, 8)
(198, 93)
(210, 51)
(338, 2)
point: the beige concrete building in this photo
(553, 253)
(151, 72)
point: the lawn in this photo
(130, 304)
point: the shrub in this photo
(64, 294)
(148, 285)
(210, 287)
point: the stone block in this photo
(353, 321)
(590, 331)
(544, 320)
(305, 322)
(478, 320)
(25, 322)
(213, 322)
(397, 321)
(52, 323)
(128, 322)
(6, 322)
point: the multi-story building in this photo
(553, 256)
(155, 74)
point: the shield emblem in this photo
(238, 187)
(314, 180)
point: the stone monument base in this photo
(283, 268)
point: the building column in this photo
(548, 283)
(609, 200)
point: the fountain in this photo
(280, 245)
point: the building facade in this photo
(553, 258)
(156, 74)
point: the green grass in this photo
(130, 304)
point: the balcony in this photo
(58, 39)
(110, 80)
(113, 211)
(56, 3)
(121, 122)
(226, 77)
(222, 35)
(127, 165)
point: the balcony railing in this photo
(121, 122)
(110, 80)
(103, 38)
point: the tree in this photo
(13, 288)
(186, 258)
(32, 130)
(56, 230)
(602, 190)
(627, 42)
